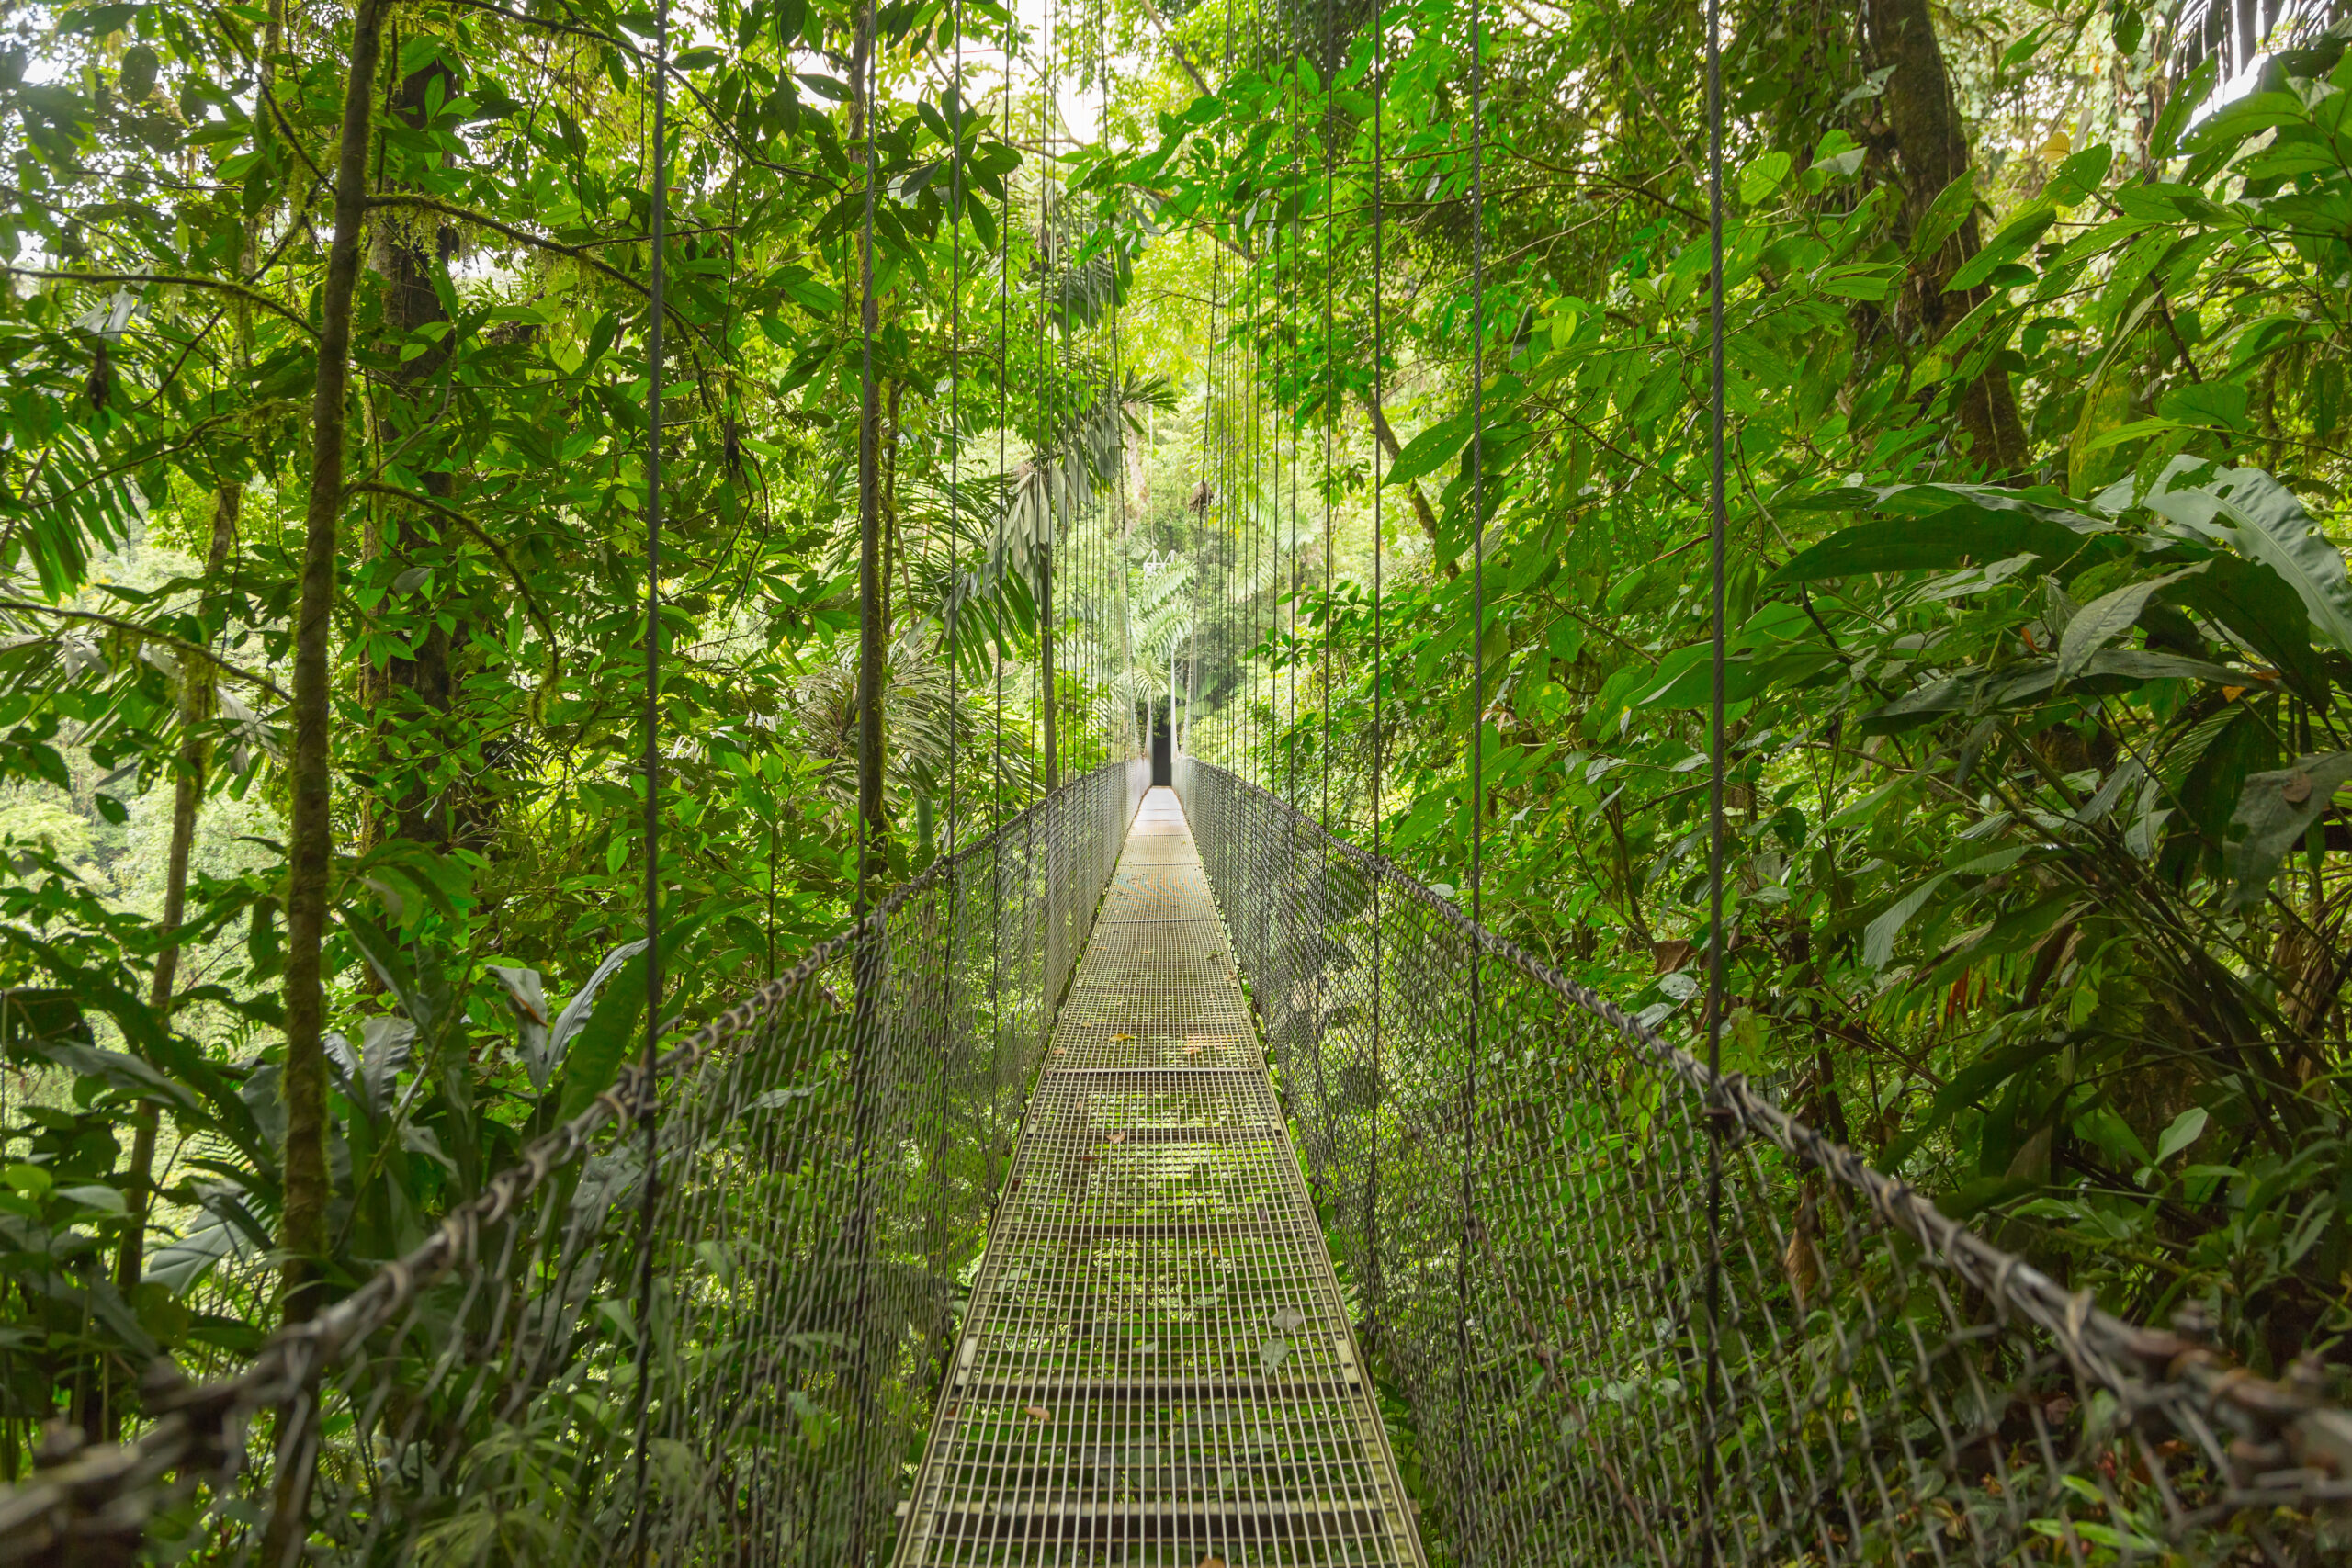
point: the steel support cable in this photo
(1002, 500)
(1287, 336)
(1330, 374)
(1047, 389)
(1469, 1115)
(864, 1046)
(1718, 943)
(649, 1197)
(1379, 734)
(952, 1024)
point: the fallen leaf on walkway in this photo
(1122, 1037)
(1039, 1411)
(1273, 1352)
(1289, 1318)
(1061, 1050)
(1212, 1560)
(1118, 1137)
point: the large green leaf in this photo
(1969, 529)
(1430, 450)
(2256, 605)
(2105, 618)
(2274, 812)
(1973, 1085)
(612, 1031)
(1877, 937)
(2249, 509)
(2017, 236)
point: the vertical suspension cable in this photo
(1373, 1290)
(648, 1191)
(866, 960)
(1286, 304)
(1047, 256)
(997, 618)
(1119, 550)
(947, 841)
(1331, 379)
(955, 396)
(871, 632)
(1477, 744)
(1003, 491)
(1717, 940)
(1212, 474)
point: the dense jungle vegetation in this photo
(322, 487)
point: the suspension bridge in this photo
(1164, 1181)
(1162, 1178)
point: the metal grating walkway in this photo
(1157, 1366)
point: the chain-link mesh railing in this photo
(827, 1156)
(1515, 1178)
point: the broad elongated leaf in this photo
(526, 996)
(1430, 450)
(574, 1016)
(2255, 603)
(2248, 508)
(2016, 238)
(2274, 811)
(1877, 937)
(1970, 531)
(611, 1032)
(2105, 618)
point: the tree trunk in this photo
(411, 254)
(189, 767)
(1931, 142)
(196, 695)
(1421, 510)
(303, 1231)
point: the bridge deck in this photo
(1157, 1366)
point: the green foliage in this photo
(2040, 842)
(166, 241)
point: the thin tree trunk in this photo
(195, 709)
(1421, 502)
(307, 1183)
(189, 767)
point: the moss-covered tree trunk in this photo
(304, 1227)
(420, 689)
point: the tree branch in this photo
(252, 296)
(151, 635)
(580, 254)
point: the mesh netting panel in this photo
(828, 1155)
(1515, 1180)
